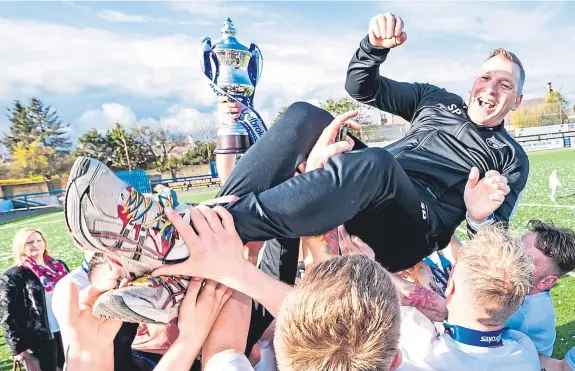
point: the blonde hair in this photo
(344, 315)
(19, 243)
(497, 272)
(513, 58)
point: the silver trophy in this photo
(234, 70)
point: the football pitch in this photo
(535, 204)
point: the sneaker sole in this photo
(83, 173)
(110, 305)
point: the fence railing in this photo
(29, 201)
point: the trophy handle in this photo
(206, 53)
(256, 64)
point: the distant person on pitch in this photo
(554, 183)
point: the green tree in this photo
(95, 145)
(346, 104)
(201, 154)
(21, 127)
(36, 121)
(50, 130)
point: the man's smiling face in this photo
(495, 92)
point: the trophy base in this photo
(232, 144)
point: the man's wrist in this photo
(237, 278)
(479, 221)
(374, 50)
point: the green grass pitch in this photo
(535, 203)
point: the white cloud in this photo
(501, 22)
(210, 8)
(115, 16)
(105, 117)
(177, 118)
(69, 60)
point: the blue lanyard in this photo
(85, 266)
(487, 339)
(440, 273)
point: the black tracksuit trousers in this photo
(365, 189)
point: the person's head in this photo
(343, 315)
(552, 250)
(498, 88)
(28, 243)
(98, 267)
(490, 280)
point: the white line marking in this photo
(571, 274)
(548, 205)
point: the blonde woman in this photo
(26, 289)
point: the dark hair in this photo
(556, 243)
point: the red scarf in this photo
(48, 274)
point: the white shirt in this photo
(80, 278)
(424, 349)
(52, 321)
(554, 181)
(536, 319)
(228, 360)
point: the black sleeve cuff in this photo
(374, 51)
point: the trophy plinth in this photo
(232, 139)
(234, 70)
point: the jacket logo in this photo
(495, 143)
(454, 109)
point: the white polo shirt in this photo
(424, 349)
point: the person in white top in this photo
(488, 283)
(554, 183)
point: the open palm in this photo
(483, 197)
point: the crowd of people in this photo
(316, 254)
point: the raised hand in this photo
(386, 31)
(483, 197)
(326, 146)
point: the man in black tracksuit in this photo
(406, 200)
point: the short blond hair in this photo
(19, 243)
(344, 315)
(513, 58)
(497, 271)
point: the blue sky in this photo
(138, 62)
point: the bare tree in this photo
(160, 142)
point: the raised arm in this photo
(366, 85)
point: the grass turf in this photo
(534, 204)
